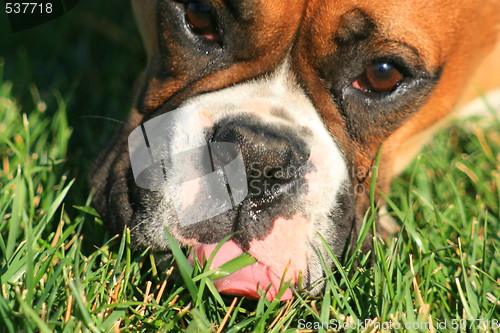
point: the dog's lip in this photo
(246, 281)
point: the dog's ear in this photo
(145, 16)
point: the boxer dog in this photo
(303, 94)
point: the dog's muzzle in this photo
(254, 167)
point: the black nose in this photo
(275, 158)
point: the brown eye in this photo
(379, 78)
(201, 21)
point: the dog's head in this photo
(262, 119)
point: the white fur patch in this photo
(259, 97)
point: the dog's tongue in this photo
(244, 282)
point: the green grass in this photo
(55, 275)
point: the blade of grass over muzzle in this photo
(228, 268)
(206, 282)
(185, 268)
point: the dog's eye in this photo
(379, 78)
(201, 21)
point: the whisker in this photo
(104, 118)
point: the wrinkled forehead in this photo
(432, 28)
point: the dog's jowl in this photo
(261, 120)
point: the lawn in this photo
(61, 271)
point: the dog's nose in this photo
(274, 158)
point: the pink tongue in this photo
(244, 282)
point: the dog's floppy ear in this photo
(145, 16)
